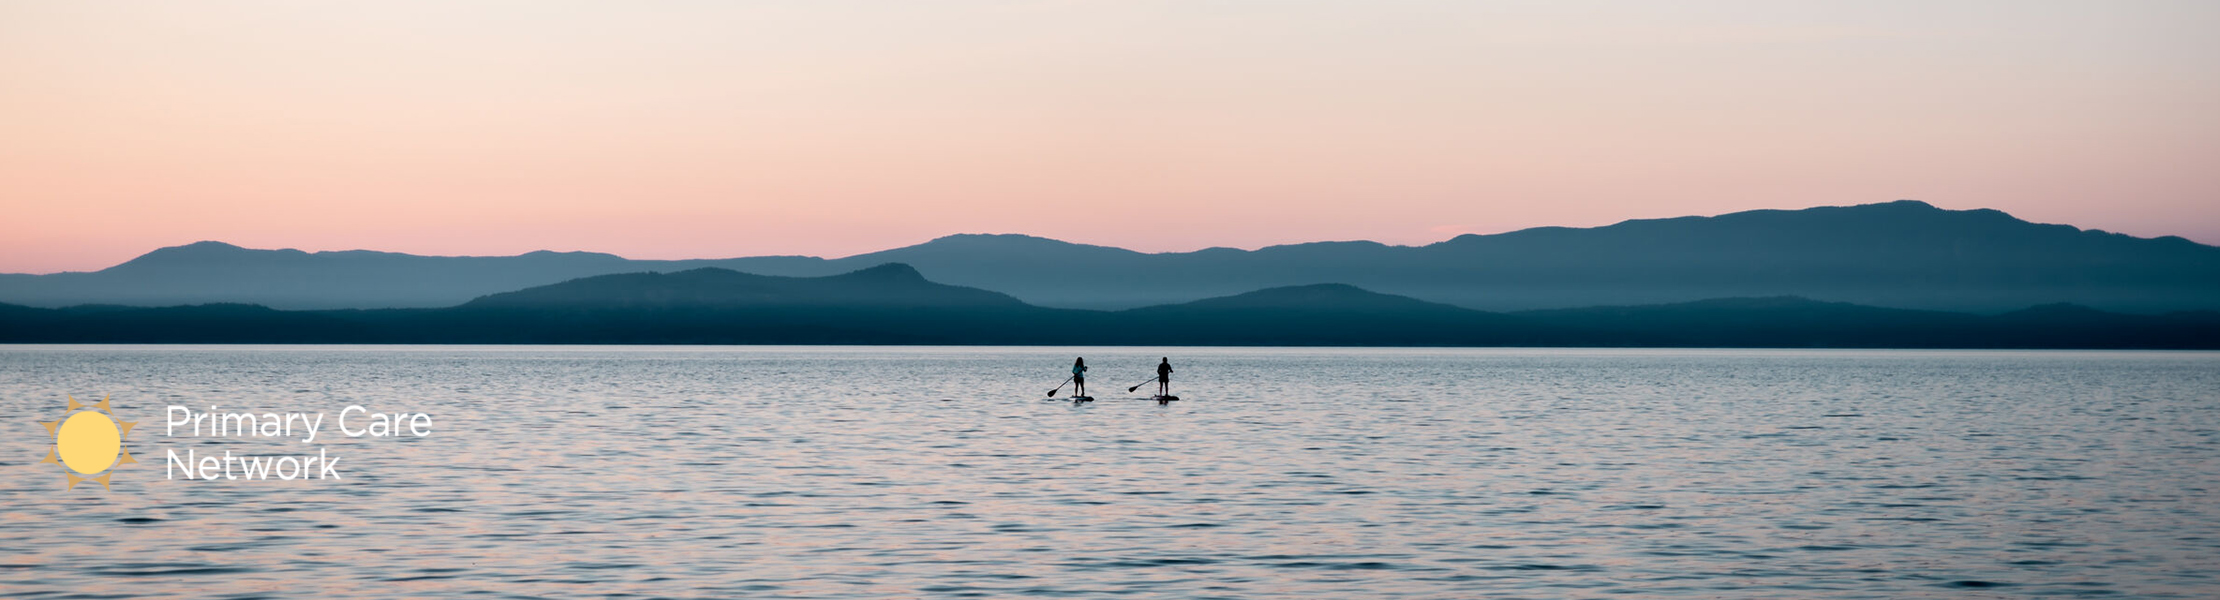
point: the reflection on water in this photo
(878, 472)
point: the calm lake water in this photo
(792, 472)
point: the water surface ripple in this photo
(802, 472)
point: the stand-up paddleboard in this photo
(1079, 399)
(1164, 399)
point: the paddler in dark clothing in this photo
(1164, 377)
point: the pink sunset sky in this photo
(670, 129)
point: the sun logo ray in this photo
(88, 442)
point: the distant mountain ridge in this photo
(893, 304)
(1904, 254)
(892, 285)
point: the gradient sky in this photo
(669, 129)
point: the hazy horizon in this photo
(832, 129)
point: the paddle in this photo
(1060, 386)
(1138, 385)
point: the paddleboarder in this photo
(1164, 377)
(1079, 376)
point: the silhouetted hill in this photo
(1773, 321)
(201, 324)
(1323, 296)
(1904, 254)
(207, 272)
(892, 285)
(892, 304)
(888, 303)
(216, 272)
(1798, 322)
(1329, 314)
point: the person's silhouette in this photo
(1079, 376)
(1164, 377)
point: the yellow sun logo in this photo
(88, 442)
